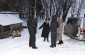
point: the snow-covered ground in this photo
(20, 46)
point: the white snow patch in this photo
(8, 19)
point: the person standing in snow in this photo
(45, 31)
(53, 28)
(59, 31)
(32, 25)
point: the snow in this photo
(24, 22)
(4, 19)
(20, 45)
(9, 12)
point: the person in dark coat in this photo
(32, 25)
(45, 31)
(53, 28)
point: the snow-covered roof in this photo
(8, 12)
(8, 19)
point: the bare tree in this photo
(73, 8)
(80, 7)
(66, 6)
(77, 7)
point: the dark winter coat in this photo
(32, 25)
(54, 23)
(45, 31)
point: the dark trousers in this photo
(32, 40)
(53, 38)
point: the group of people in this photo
(55, 27)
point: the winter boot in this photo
(34, 47)
(44, 39)
(47, 40)
(60, 42)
